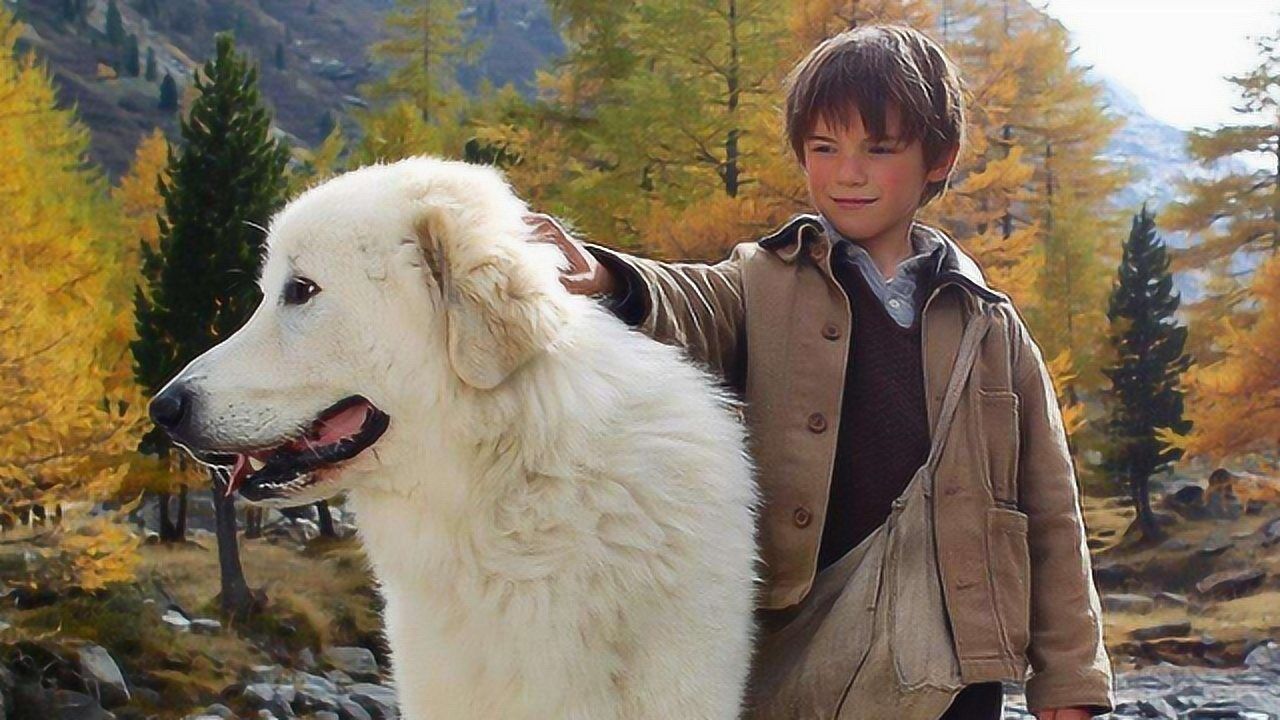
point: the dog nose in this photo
(168, 408)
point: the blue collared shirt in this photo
(898, 293)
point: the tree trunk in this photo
(326, 520)
(168, 531)
(1142, 503)
(235, 599)
(180, 528)
(252, 523)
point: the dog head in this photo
(387, 292)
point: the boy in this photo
(840, 329)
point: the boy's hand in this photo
(1071, 713)
(585, 275)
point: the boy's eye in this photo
(299, 290)
(884, 149)
(822, 149)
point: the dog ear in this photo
(498, 309)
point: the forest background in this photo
(653, 127)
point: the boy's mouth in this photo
(853, 202)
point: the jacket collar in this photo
(806, 231)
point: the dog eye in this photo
(299, 290)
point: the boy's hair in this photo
(868, 70)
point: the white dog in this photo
(560, 511)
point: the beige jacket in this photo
(772, 320)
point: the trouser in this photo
(983, 701)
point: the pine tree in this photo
(115, 24)
(225, 183)
(425, 44)
(168, 93)
(1148, 344)
(131, 65)
(150, 74)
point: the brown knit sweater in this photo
(884, 432)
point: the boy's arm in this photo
(1067, 653)
(695, 306)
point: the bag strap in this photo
(970, 343)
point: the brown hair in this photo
(868, 70)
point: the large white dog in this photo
(559, 510)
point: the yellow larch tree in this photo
(64, 432)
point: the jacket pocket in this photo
(1010, 576)
(1001, 432)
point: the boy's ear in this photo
(940, 171)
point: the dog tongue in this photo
(342, 425)
(238, 473)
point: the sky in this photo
(1172, 54)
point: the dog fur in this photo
(561, 512)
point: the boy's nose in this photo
(852, 172)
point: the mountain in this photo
(313, 57)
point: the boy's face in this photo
(868, 188)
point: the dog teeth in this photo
(256, 464)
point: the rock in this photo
(269, 674)
(103, 677)
(1270, 532)
(1231, 583)
(1187, 495)
(315, 682)
(1264, 656)
(349, 709)
(1168, 598)
(307, 659)
(326, 715)
(219, 710)
(206, 626)
(1216, 545)
(1128, 602)
(78, 706)
(175, 619)
(339, 677)
(1112, 575)
(379, 701)
(357, 662)
(1175, 544)
(1155, 632)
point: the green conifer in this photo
(1149, 360)
(225, 183)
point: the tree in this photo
(151, 65)
(168, 94)
(1235, 401)
(225, 183)
(1149, 360)
(279, 56)
(115, 24)
(65, 428)
(1234, 212)
(131, 64)
(426, 42)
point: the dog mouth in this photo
(340, 433)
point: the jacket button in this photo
(818, 252)
(802, 517)
(817, 423)
(830, 331)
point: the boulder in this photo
(1128, 602)
(379, 701)
(358, 662)
(102, 676)
(1231, 583)
(1265, 656)
(71, 705)
(1164, 630)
